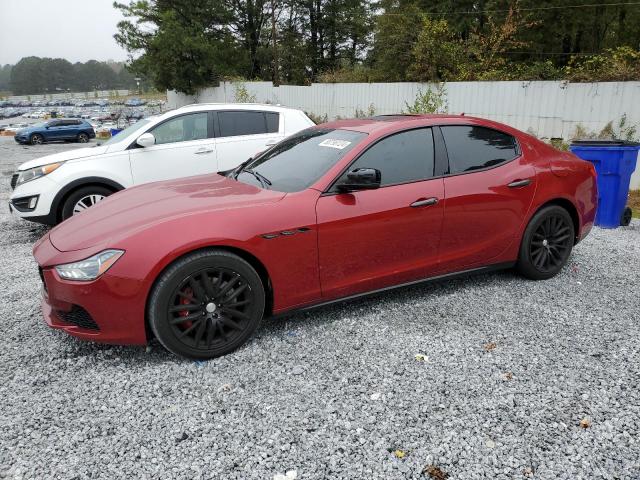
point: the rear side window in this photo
(401, 158)
(474, 148)
(233, 124)
(273, 122)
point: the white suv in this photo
(191, 140)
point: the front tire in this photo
(36, 139)
(83, 138)
(206, 304)
(546, 244)
(82, 199)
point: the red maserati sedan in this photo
(338, 210)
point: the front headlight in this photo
(37, 172)
(90, 268)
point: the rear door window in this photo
(273, 121)
(237, 123)
(475, 148)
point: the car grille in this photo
(79, 317)
(14, 180)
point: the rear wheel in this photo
(546, 244)
(627, 214)
(82, 199)
(206, 304)
(83, 138)
(37, 139)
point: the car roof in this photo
(234, 106)
(387, 123)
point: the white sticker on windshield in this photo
(332, 143)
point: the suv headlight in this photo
(37, 172)
(89, 268)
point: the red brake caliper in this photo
(183, 313)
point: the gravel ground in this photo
(485, 377)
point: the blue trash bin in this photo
(615, 161)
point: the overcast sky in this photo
(78, 30)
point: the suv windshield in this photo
(298, 161)
(126, 132)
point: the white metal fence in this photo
(546, 109)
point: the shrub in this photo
(370, 112)
(317, 119)
(613, 65)
(348, 74)
(242, 95)
(429, 101)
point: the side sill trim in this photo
(446, 276)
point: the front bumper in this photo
(45, 189)
(114, 305)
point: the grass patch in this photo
(634, 202)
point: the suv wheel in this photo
(82, 199)
(83, 138)
(37, 139)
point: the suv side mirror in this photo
(361, 179)
(146, 140)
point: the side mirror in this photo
(146, 140)
(361, 179)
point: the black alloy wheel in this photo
(206, 304)
(37, 139)
(83, 138)
(547, 243)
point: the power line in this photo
(530, 9)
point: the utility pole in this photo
(276, 79)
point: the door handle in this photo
(425, 202)
(200, 152)
(519, 183)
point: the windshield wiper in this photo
(264, 181)
(238, 170)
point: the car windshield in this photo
(300, 160)
(127, 131)
(39, 124)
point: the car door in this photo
(488, 193)
(183, 147)
(54, 130)
(241, 134)
(372, 239)
(69, 129)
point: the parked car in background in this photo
(59, 129)
(191, 140)
(16, 127)
(134, 102)
(335, 211)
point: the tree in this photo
(396, 34)
(437, 53)
(5, 76)
(183, 45)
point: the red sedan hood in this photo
(139, 207)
